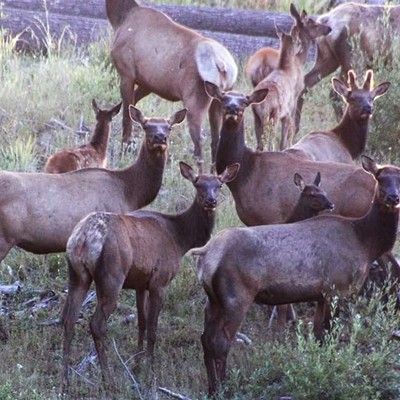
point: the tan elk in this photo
(141, 251)
(93, 154)
(38, 211)
(264, 61)
(311, 260)
(281, 101)
(346, 141)
(373, 27)
(154, 54)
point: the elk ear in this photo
(369, 165)
(299, 181)
(95, 107)
(352, 79)
(213, 90)
(317, 179)
(178, 117)
(368, 81)
(258, 96)
(340, 87)
(230, 173)
(294, 13)
(136, 115)
(187, 171)
(381, 89)
(116, 109)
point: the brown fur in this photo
(140, 251)
(310, 260)
(157, 55)
(93, 154)
(38, 211)
(348, 186)
(346, 141)
(368, 24)
(265, 60)
(281, 100)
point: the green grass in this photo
(358, 360)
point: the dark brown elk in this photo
(325, 256)
(373, 27)
(38, 211)
(93, 154)
(141, 251)
(312, 200)
(346, 141)
(280, 105)
(265, 60)
(156, 55)
(268, 174)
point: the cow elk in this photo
(38, 211)
(311, 260)
(93, 154)
(373, 27)
(268, 173)
(156, 55)
(265, 60)
(141, 251)
(346, 141)
(281, 101)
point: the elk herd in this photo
(286, 253)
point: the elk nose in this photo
(330, 206)
(211, 202)
(392, 199)
(160, 138)
(368, 109)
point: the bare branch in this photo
(173, 394)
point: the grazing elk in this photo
(38, 211)
(311, 260)
(141, 251)
(346, 141)
(157, 55)
(281, 83)
(268, 173)
(312, 200)
(93, 154)
(372, 26)
(265, 60)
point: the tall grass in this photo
(358, 360)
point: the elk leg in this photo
(322, 319)
(77, 289)
(156, 297)
(107, 289)
(215, 118)
(142, 309)
(194, 119)
(140, 93)
(285, 139)
(259, 126)
(128, 97)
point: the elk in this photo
(156, 55)
(282, 85)
(311, 260)
(346, 141)
(268, 173)
(312, 200)
(38, 211)
(372, 26)
(93, 154)
(265, 60)
(142, 251)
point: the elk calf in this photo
(157, 55)
(312, 201)
(346, 141)
(281, 100)
(93, 154)
(265, 60)
(311, 260)
(140, 251)
(39, 211)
